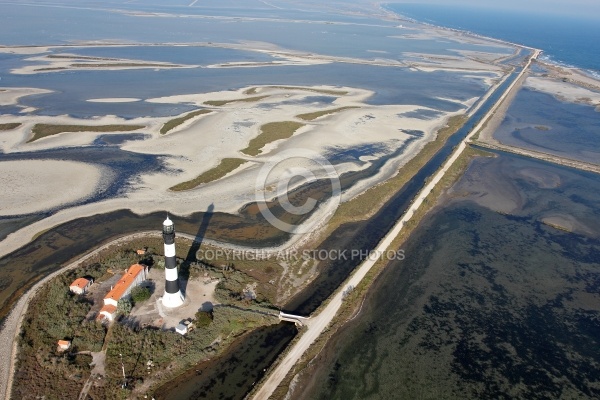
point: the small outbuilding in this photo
(81, 285)
(181, 328)
(64, 345)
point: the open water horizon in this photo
(565, 40)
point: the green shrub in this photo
(140, 294)
(203, 319)
(124, 307)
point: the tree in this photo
(140, 294)
(124, 307)
(203, 318)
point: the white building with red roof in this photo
(135, 275)
(80, 285)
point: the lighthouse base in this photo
(172, 300)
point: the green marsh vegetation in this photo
(218, 103)
(321, 91)
(269, 133)
(175, 122)
(44, 130)
(9, 126)
(225, 166)
(316, 114)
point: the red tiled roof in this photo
(80, 283)
(109, 308)
(126, 280)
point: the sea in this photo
(566, 40)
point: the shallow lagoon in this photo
(487, 304)
(538, 121)
(392, 86)
(288, 29)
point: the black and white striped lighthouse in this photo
(172, 297)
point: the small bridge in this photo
(297, 319)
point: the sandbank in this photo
(199, 144)
(10, 96)
(72, 62)
(563, 90)
(40, 185)
(115, 100)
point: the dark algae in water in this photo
(233, 374)
(488, 303)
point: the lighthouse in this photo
(172, 297)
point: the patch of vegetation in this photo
(218, 103)
(78, 57)
(542, 128)
(124, 307)
(123, 65)
(170, 353)
(235, 273)
(314, 115)
(322, 91)
(140, 294)
(225, 166)
(55, 314)
(49, 69)
(172, 124)
(271, 132)
(43, 130)
(204, 319)
(9, 126)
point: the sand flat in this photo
(201, 143)
(10, 96)
(38, 185)
(563, 90)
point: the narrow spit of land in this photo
(567, 162)
(318, 323)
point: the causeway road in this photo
(317, 323)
